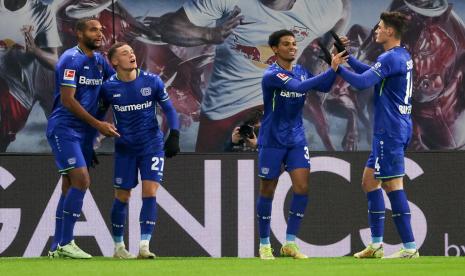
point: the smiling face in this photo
(124, 58)
(286, 49)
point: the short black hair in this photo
(398, 21)
(82, 23)
(273, 39)
(113, 48)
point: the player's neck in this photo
(126, 75)
(88, 52)
(391, 44)
(286, 65)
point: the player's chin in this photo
(290, 58)
(97, 44)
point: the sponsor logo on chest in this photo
(287, 94)
(87, 81)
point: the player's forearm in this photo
(181, 32)
(358, 66)
(171, 114)
(359, 81)
(76, 108)
(322, 81)
(327, 82)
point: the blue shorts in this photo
(387, 157)
(270, 160)
(127, 166)
(70, 152)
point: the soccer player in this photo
(71, 128)
(282, 140)
(242, 53)
(392, 77)
(133, 95)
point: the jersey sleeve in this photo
(68, 72)
(108, 71)
(103, 103)
(384, 66)
(282, 80)
(161, 95)
(206, 12)
(276, 79)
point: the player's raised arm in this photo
(321, 82)
(358, 66)
(360, 81)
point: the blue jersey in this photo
(86, 74)
(134, 109)
(282, 119)
(392, 98)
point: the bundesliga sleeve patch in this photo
(69, 74)
(282, 76)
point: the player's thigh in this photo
(125, 171)
(297, 158)
(151, 166)
(369, 182)
(387, 157)
(270, 161)
(67, 151)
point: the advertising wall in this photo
(207, 206)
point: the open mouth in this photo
(133, 60)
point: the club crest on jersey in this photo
(377, 65)
(282, 76)
(69, 74)
(119, 180)
(300, 33)
(72, 161)
(146, 91)
(265, 170)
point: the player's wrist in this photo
(174, 132)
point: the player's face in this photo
(382, 32)
(92, 36)
(124, 58)
(287, 48)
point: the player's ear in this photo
(391, 31)
(274, 49)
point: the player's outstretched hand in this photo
(172, 143)
(338, 60)
(107, 129)
(341, 42)
(219, 34)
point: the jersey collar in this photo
(138, 73)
